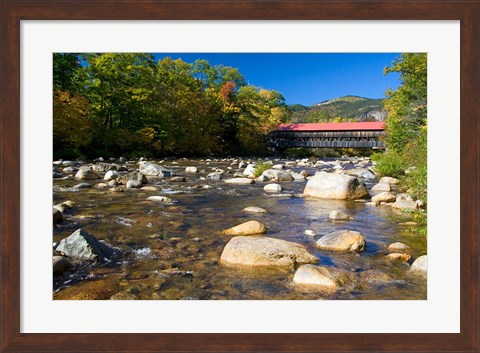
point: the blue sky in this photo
(308, 78)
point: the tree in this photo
(407, 106)
(68, 75)
(71, 127)
(119, 91)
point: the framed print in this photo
(148, 43)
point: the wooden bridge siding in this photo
(331, 144)
(326, 139)
(300, 134)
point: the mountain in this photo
(348, 108)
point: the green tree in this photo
(406, 131)
(407, 106)
(119, 91)
(68, 74)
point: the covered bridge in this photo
(332, 135)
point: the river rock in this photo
(84, 246)
(335, 186)
(153, 169)
(361, 173)
(420, 265)
(339, 216)
(239, 181)
(215, 176)
(278, 166)
(57, 216)
(272, 188)
(69, 204)
(247, 228)
(403, 203)
(61, 264)
(262, 178)
(374, 276)
(69, 170)
(191, 170)
(298, 176)
(342, 240)
(254, 209)
(381, 187)
(265, 251)
(249, 170)
(85, 173)
(104, 167)
(318, 277)
(277, 175)
(177, 179)
(137, 176)
(388, 180)
(162, 199)
(310, 233)
(134, 184)
(384, 197)
(398, 247)
(101, 186)
(82, 186)
(150, 188)
(395, 256)
(111, 175)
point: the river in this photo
(172, 251)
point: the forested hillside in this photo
(348, 108)
(127, 104)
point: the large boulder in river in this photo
(85, 173)
(266, 252)
(319, 277)
(153, 169)
(247, 228)
(336, 186)
(84, 246)
(136, 176)
(420, 265)
(277, 175)
(342, 240)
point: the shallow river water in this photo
(172, 251)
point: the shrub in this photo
(390, 163)
(261, 167)
(416, 180)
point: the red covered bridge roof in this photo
(370, 125)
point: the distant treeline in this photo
(127, 104)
